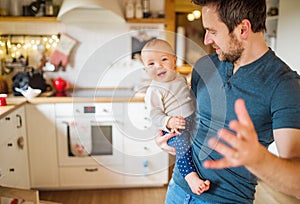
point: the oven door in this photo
(89, 141)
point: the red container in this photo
(60, 86)
(3, 99)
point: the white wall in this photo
(103, 53)
(288, 37)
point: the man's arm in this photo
(285, 169)
(281, 173)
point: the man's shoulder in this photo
(208, 58)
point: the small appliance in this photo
(60, 86)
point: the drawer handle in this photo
(20, 142)
(10, 144)
(20, 121)
(11, 169)
(91, 169)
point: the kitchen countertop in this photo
(14, 102)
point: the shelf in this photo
(146, 20)
(184, 69)
(28, 19)
(269, 18)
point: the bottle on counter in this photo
(129, 13)
(139, 9)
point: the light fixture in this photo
(196, 14)
(190, 17)
(11, 46)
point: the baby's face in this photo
(160, 66)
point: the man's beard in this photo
(235, 51)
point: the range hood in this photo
(91, 11)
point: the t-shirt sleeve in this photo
(285, 104)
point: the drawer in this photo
(90, 176)
(140, 147)
(141, 165)
(157, 179)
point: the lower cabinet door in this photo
(90, 176)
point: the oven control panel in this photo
(89, 109)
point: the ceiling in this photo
(185, 6)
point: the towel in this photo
(80, 142)
(60, 56)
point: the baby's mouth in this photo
(161, 74)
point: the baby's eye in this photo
(165, 59)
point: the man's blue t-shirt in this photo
(271, 91)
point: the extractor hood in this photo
(91, 11)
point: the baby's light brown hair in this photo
(158, 45)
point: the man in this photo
(229, 149)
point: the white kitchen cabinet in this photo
(145, 163)
(90, 177)
(44, 171)
(14, 168)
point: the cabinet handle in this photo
(10, 144)
(20, 142)
(11, 169)
(20, 121)
(91, 169)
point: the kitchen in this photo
(83, 64)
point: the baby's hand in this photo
(175, 123)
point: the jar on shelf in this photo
(4, 5)
(138, 9)
(15, 8)
(49, 8)
(129, 12)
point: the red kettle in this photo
(60, 86)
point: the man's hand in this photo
(244, 146)
(161, 141)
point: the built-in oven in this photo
(89, 134)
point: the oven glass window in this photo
(102, 140)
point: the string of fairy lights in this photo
(15, 46)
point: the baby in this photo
(171, 107)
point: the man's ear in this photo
(245, 28)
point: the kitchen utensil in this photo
(30, 93)
(60, 86)
(3, 99)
